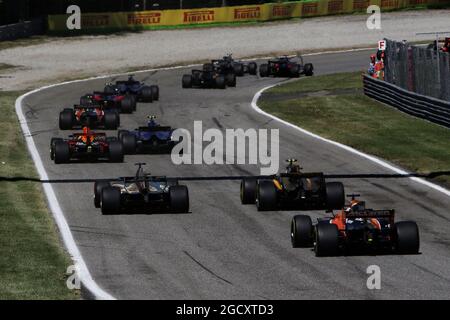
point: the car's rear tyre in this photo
(252, 68)
(146, 94)
(126, 105)
(52, 147)
(248, 191)
(110, 200)
(264, 70)
(301, 231)
(116, 151)
(308, 69)
(326, 240)
(238, 69)
(98, 187)
(66, 119)
(133, 101)
(129, 143)
(335, 195)
(121, 133)
(407, 240)
(186, 81)
(62, 152)
(231, 80)
(179, 199)
(155, 92)
(221, 82)
(112, 120)
(266, 196)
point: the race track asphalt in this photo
(223, 250)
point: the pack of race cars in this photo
(354, 227)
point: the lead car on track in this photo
(142, 192)
(356, 228)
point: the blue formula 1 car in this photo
(140, 90)
(153, 138)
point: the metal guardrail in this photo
(431, 109)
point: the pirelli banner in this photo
(98, 22)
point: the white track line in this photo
(81, 267)
(343, 146)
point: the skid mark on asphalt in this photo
(217, 122)
(206, 269)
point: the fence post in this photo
(410, 69)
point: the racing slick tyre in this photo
(126, 106)
(407, 239)
(335, 195)
(326, 240)
(146, 94)
(109, 89)
(116, 151)
(155, 92)
(186, 82)
(231, 80)
(121, 133)
(308, 69)
(111, 120)
(66, 119)
(129, 143)
(248, 191)
(238, 69)
(179, 199)
(98, 187)
(301, 231)
(221, 82)
(133, 102)
(266, 196)
(295, 71)
(110, 200)
(208, 67)
(252, 68)
(52, 147)
(62, 152)
(264, 70)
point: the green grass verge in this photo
(335, 107)
(33, 262)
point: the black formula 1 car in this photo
(286, 67)
(152, 138)
(208, 79)
(356, 228)
(228, 65)
(141, 192)
(90, 115)
(140, 90)
(293, 190)
(123, 103)
(88, 146)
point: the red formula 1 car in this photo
(123, 103)
(86, 145)
(90, 115)
(356, 228)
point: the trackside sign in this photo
(264, 12)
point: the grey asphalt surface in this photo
(222, 249)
